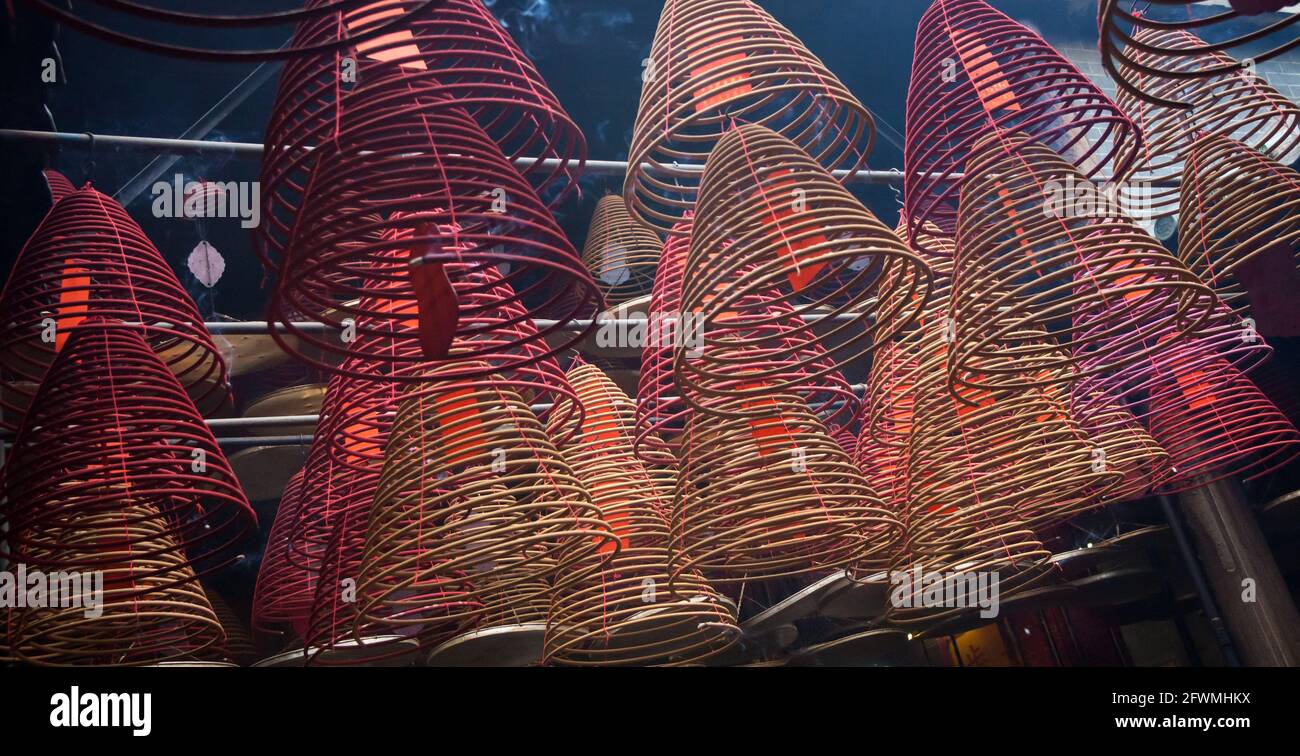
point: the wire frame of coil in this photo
(109, 419)
(768, 497)
(771, 218)
(475, 504)
(89, 258)
(976, 70)
(714, 62)
(229, 28)
(1136, 45)
(283, 593)
(626, 613)
(1239, 208)
(1023, 262)
(411, 211)
(455, 48)
(620, 253)
(1237, 104)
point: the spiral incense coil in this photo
(769, 217)
(417, 232)
(1240, 222)
(620, 253)
(767, 497)
(473, 493)
(1123, 445)
(624, 613)
(976, 70)
(240, 648)
(150, 608)
(1145, 50)
(88, 258)
(1237, 104)
(715, 62)
(662, 412)
(58, 184)
(455, 48)
(1216, 424)
(283, 594)
(1022, 262)
(111, 426)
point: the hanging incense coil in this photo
(89, 258)
(624, 613)
(621, 254)
(473, 493)
(58, 184)
(769, 217)
(110, 418)
(240, 648)
(417, 232)
(1022, 263)
(976, 70)
(283, 593)
(771, 496)
(1240, 219)
(1237, 104)
(1121, 444)
(456, 49)
(715, 62)
(662, 412)
(1145, 50)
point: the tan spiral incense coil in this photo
(1122, 444)
(284, 590)
(626, 613)
(771, 218)
(1237, 104)
(473, 494)
(715, 62)
(1023, 262)
(770, 496)
(1239, 228)
(620, 253)
(1128, 61)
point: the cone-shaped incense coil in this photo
(716, 62)
(111, 424)
(770, 218)
(88, 258)
(1239, 229)
(976, 70)
(456, 49)
(620, 253)
(406, 212)
(628, 613)
(1122, 445)
(1137, 45)
(472, 489)
(771, 496)
(660, 412)
(58, 184)
(283, 594)
(1022, 262)
(1237, 104)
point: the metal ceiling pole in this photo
(1248, 587)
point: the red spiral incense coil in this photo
(662, 411)
(772, 496)
(114, 471)
(717, 61)
(1022, 262)
(976, 70)
(58, 184)
(409, 210)
(624, 613)
(621, 254)
(1239, 230)
(475, 509)
(283, 593)
(88, 258)
(771, 218)
(456, 49)
(1137, 45)
(1237, 104)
